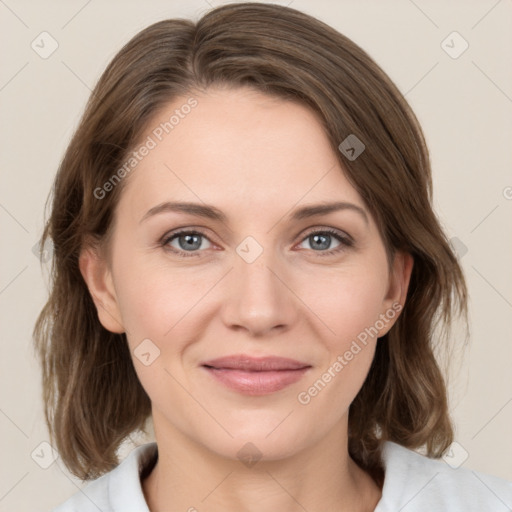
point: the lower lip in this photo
(256, 383)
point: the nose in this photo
(260, 296)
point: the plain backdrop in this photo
(463, 100)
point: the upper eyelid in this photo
(340, 232)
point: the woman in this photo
(246, 254)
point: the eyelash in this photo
(345, 241)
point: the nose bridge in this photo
(258, 299)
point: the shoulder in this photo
(120, 490)
(416, 483)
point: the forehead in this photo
(239, 149)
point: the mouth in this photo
(256, 376)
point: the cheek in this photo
(347, 301)
(159, 302)
(350, 309)
(157, 308)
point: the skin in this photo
(257, 159)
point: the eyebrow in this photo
(210, 212)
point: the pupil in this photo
(325, 245)
(190, 241)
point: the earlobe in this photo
(398, 286)
(97, 276)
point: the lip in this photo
(255, 364)
(256, 376)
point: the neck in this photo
(188, 476)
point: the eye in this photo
(321, 239)
(187, 242)
(190, 242)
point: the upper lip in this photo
(249, 363)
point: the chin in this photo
(250, 450)
(257, 441)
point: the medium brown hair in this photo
(93, 399)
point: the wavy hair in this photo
(92, 397)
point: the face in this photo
(259, 281)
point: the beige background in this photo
(464, 105)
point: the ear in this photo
(98, 277)
(397, 290)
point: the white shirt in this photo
(412, 483)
